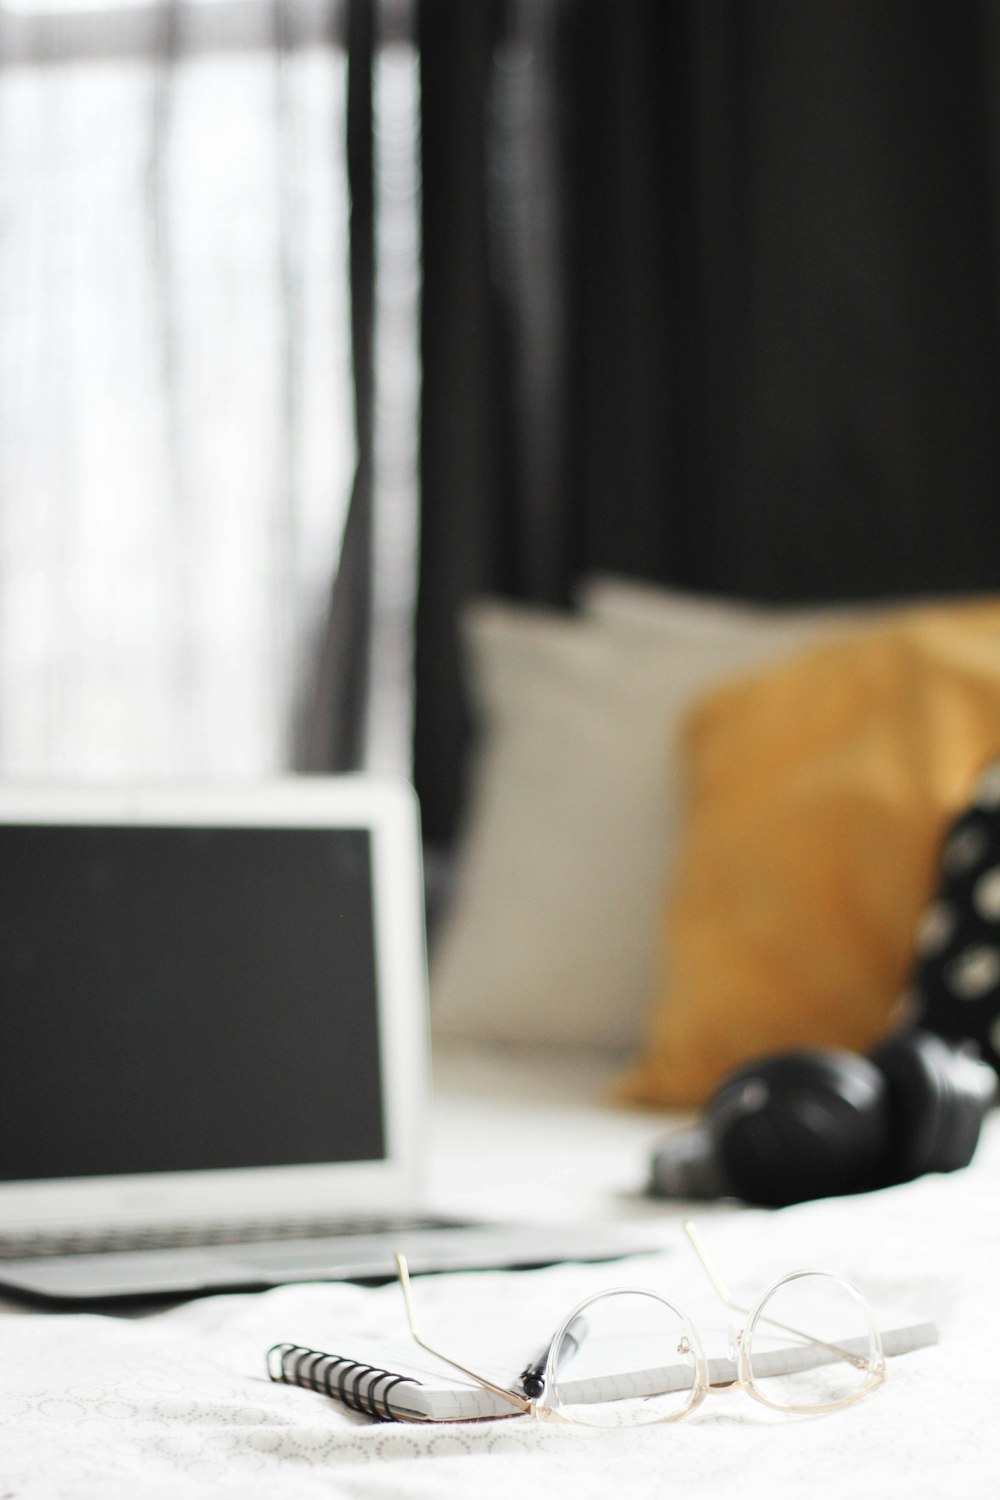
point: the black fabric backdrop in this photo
(711, 298)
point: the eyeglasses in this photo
(627, 1357)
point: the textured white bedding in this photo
(176, 1404)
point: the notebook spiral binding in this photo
(359, 1387)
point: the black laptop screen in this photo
(184, 998)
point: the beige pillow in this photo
(572, 823)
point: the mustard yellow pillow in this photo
(818, 793)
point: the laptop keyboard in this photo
(107, 1239)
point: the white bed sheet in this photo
(177, 1404)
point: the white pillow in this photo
(650, 606)
(572, 821)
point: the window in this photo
(176, 414)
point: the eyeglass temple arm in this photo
(712, 1271)
(403, 1272)
(710, 1268)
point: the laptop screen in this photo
(181, 998)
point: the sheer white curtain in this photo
(176, 438)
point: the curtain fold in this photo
(710, 299)
(468, 468)
(332, 729)
(358, 711)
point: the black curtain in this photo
(710, 298)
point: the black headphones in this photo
(819, 1124)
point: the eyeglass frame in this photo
(537, 1408)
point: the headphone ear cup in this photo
(938, 1098)
(802, 1125)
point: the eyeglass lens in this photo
(812, 1344)
(632, 1359)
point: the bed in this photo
(176, 1403)
(539, 977)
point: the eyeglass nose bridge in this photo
(734, 1345)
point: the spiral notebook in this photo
(400, 1386)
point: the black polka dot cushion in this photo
(955, 986)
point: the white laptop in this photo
(214, 1055)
